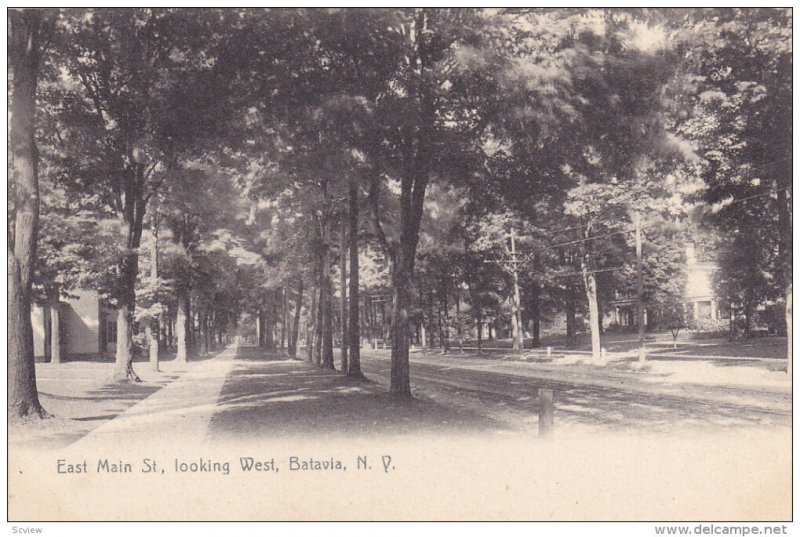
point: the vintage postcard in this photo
(400, 264)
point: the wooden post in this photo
(545, 412)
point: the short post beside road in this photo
(545, 412)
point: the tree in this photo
(28, 31)
(427, 112)
(675, 316)
(609, 95)
(129, 116)
(741, 63)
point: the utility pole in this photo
(639, 285)
(516, 319)
(510, 263)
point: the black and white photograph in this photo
(400, 264)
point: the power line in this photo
(578, 241)
(595, 271)
(754, 196)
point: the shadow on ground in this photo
(606, 408)
(272, 396)
(76, 413)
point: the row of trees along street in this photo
(348, 172)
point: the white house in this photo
(86, 327)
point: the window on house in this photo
(111, 331)
(724, 311)
(704, 309)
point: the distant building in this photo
(700, 297)
(87, 327)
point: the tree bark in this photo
(590, 284)
(569, 308)
(400, 382)
(325, 294)
(445, 317)
(417, 156)
(293, 333)
(343, 290)
(311, 322)
(284, 316)
(789, 328)
(133, 209)
(152, 339)
(182, 326)
(318, 323)
(56, 345)
(204, 333)
(269, 323)
(459, 325)
(354, 325)
(24, 41)
(170, 331)
(479, 322)
(785, 254)
(259, 328)
(536, 314)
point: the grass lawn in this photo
(661, 342)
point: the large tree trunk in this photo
(479, 326)
(56, 345)
(400, 384)
(259, 328)
(369, 310)
(204, 333)
(326, 289)
(569, 307)
(133, 209)
(431, 320)
(152, 327)
(318, 322)
(170, 332)
(459, 325)
(785, 253)
(343, 290)
(536, 315)
(152, 339)
(354, 332)
(445, 317)
(24, 41)
(590, 284)
(293, 333)
(284, 316)
(789, 328)
(269, 323)
(423, 330)
(311, 322)
(182, 326)
(417, 158)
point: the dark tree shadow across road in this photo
(272, 396)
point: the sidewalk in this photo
(179, 412)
